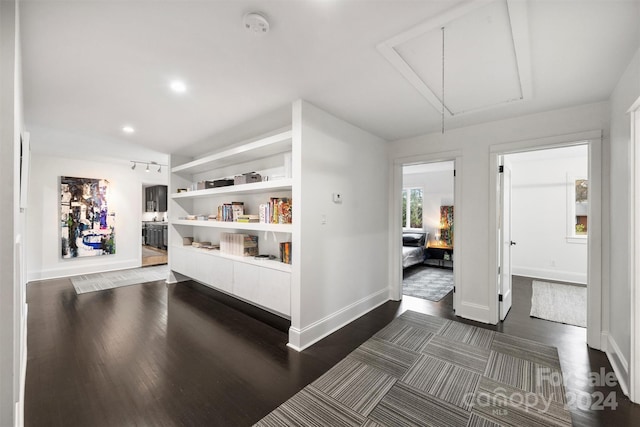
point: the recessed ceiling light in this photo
(178, 86)
(128, 129)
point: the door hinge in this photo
(454, 173)
(499, 269)
(499, 297)
(500, 169)
(454, 289)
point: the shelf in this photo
(253, 226)
(251, 188)
(272, 264)
(265, 147)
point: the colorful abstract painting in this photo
(87, 226)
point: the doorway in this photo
(428, 228)
(543, 230)
(154, 226)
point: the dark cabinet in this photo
(156, 235)
(155, 198)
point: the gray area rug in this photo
(559, 303)
(428, 283)
(427, 371)
(114, 279)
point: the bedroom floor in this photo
(430, 283)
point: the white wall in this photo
(340, 268)
(539, 215)
(626, 92)
(44, 260)
(438, 191)
(474, 143)
(12, 228)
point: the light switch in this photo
(337, 198)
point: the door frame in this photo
(593, 139)
(634, 253)
(395, 216)
(501, 242)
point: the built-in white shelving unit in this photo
(339, 245)
(252, 188)
(265, 147)
(262, 282)
(251, 226)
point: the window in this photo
(412, 208)
(577, 209)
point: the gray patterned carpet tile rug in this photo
(558, 302)
(428, 283)
(113, 279)
(422, 370)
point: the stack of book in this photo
(248, 218)
(277, 211)
(285, 252)
(238, 244)
(230, 212)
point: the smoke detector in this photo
(256, 23)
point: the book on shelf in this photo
(277, 211)
(229, 212)
(285, 252)
(238, 244)
(248, 218)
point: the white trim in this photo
(56, 273)
(472, 311)
(395, 215)
(594, 290)
(618, 362)
(299, 339)
(19, 422)
(582, 240)
(634, 251)
(544, 274)
(518, 19)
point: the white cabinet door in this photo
(274, 290)
(179, 261)
(200, 267)
(246, 278)
(222, 273)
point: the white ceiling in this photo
(92, 67)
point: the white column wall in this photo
(622, 98)
(342, 264)
(12, 230)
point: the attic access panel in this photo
(485, 56)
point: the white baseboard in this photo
(544, 274)
(175, 277)
(618, 362)
(74, 270)
(299, 339)
(19, 408)
(471, 311)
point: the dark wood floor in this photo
(173, 355)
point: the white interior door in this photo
(505, 243)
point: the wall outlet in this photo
(323, 219)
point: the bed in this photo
(413, 245)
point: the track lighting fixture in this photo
(136, 162)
